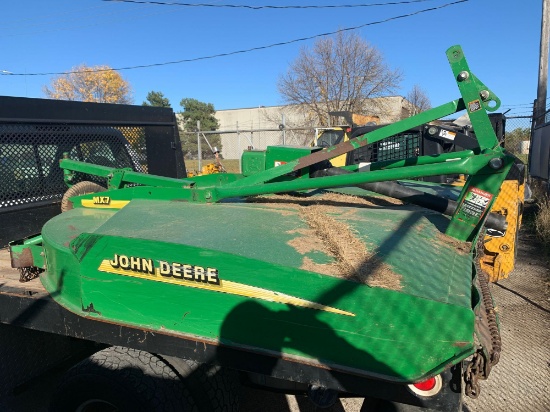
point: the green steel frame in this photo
(487, 166)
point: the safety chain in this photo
(482, 362)
(496, 342)
(472, 374)
(29, 273)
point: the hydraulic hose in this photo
(416, 197)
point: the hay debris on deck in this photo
(352, 260)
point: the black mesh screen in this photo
(30, 154)
(400, 146)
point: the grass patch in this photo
(542, 220)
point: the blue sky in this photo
(500, 39)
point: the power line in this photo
(520, 113)
(143, 66)
(152, 4)
(55, 23)
(523, 106)
(245, 6)
(12, 21)
(45, 22)
(518, 108)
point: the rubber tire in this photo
(131, 380)
(81, 188)
(213, 388)
(379, 405)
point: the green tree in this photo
(193, 111)
(156, 99)
(513, 138)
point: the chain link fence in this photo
(518, 136)
(234, 142)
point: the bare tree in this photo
(418, 100)
(339, 73)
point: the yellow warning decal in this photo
(104, 202)
(201, 278)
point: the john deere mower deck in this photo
(192, 269)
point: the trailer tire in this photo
(81, 188)
(121, 379)
(213, 388)
(380, 405)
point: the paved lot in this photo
(520, 382)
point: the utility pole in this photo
(540, 106)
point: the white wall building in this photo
(389, 109)
(259, 127)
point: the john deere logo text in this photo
(175, 270)
(101, 200)
(198, 277)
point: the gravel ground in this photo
(520, 382)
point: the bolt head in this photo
(484, 94)
(463, 75)
(432, 130)
(496, 163)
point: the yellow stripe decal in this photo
(226, 286)
(113, 204)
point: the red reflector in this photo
(427, 385)
(348, 130)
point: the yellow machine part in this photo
(208, 169)
(357, 119)
(211, 168)
(500, 252)
(340, 160)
